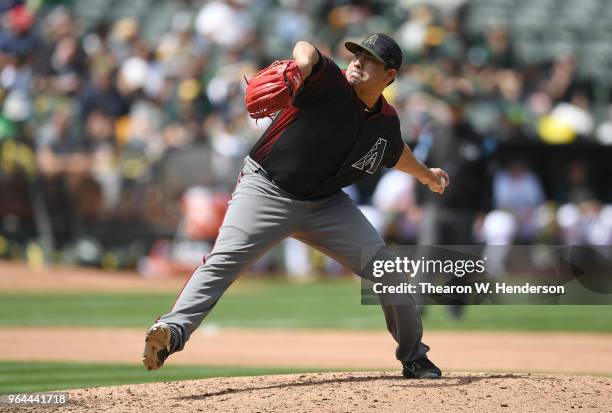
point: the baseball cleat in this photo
(422, 368)
(157, 346)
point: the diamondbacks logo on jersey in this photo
(372, 159)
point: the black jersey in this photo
(327, 139)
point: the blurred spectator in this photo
(115, 108)
(99, 134)
(290, 24)
(577, 186)
(226, 23)
(18, 38)
(567, 120)
(460, 151)
(63, 164)
(517, 194)
(582, 219)
(519, 214)
(395, 198)
(102, 93)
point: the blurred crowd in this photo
(117, 122)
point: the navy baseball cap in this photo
(382, 47)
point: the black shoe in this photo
(421, 368)
(158, 343)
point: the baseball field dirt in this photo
(324, 349)
(353, 392)
(510, 364)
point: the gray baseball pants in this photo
(260, 215)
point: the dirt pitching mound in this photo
(354, 392)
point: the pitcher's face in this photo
(365, 72)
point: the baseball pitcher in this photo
(333, 127)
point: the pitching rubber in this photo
(157, 338)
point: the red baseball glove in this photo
(271, 89)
